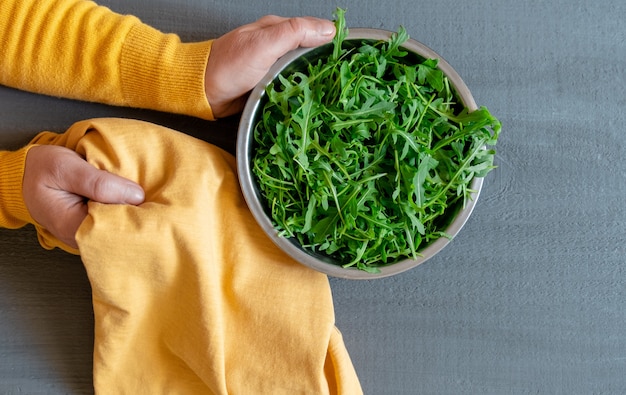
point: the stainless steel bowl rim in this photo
(249, 189)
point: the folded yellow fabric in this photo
(189, 296)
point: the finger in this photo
(67, 223)
(264, 21)
(271, 20)
(99, 185)
(290, 33)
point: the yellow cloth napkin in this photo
(189, 295)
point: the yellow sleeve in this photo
(13, 212)
(79, 50)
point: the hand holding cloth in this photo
(189, 295)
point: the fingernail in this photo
(134, 194)
(327, 29)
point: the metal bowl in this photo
(296, 60)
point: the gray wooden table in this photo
(528, 299)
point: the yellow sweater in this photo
(77, 49)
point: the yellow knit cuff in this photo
(160, 72)
(13, 211)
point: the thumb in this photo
(102, 186)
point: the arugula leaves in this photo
(366, 155)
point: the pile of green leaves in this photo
(365, 154)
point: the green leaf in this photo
(341, 32)
(427, 72)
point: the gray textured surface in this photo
(529, 299)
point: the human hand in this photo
(57, 182)
(240, 58)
